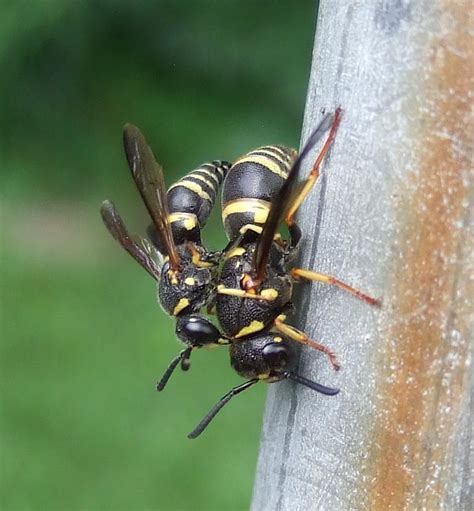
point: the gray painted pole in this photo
(390, 215)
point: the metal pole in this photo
(390, 215)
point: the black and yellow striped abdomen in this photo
(251, 184)
(191, 199)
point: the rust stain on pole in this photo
(427, 310)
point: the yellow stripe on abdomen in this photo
(194, 187)
(190, 220)
(258, 207)
(269, 163)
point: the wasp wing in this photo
(277, 212)
(148, 176)
(139, 248)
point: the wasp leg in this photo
(314, 174)
(299, 273)
(248, 232)
(302, 338)
(201, 261)
(267, 295)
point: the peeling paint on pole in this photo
(426, 324)
(392, 214)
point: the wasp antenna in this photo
(328, 391)
(182, 357)
(186, 362)
(215, 410)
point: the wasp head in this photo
(267, 357)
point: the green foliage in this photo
(202, 80)
(83, 340)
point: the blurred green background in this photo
(83, 339)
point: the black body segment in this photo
(251, 184)
(265, 357)
(197, 330)
(191, 199)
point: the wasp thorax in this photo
(185, 290)
(266, 357)
(240, 317)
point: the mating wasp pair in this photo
(248, 285)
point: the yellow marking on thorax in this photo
(194, 187)
(189, 219)
(270, 294)
(255, 326)
(237, 251)
(263, 376)
(182, 304)
(172, 275)
(258, 207)
(190, 281)
(267, 162)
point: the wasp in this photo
(174, 254)
(255, 286)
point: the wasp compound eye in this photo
(276, 355)
(196, 330)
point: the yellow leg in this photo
(196, 257)
(299, 273)
(314, 174)
(233, 248)
(302, 338)
(267, 295)
(250, 227)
